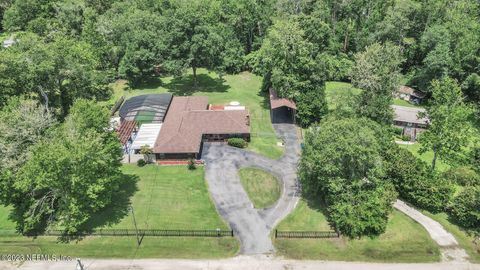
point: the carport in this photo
(282, 110)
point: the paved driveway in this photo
(253, 226)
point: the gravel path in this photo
(237, 263)
(449, 247)
(253, 226)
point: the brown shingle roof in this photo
(276, 102)
(188, 119)
(410, 91)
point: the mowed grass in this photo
(404, 240)
(404, 103)
(244, 88)
(465, 240)
(427, 156)
(170, 197)
(337, 92)
(262, 188)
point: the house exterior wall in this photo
(408, 124)
(224, 137)
(177, 156)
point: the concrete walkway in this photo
(253, 226)
(237, 263)
(449, 247)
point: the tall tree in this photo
(342, 164)
(56, 72)
(287, 63)
(377, 73)
(23, 123)
(4, 5)
(449, 130)
(70, 176)
(200, 39)
(249, 19)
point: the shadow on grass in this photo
(318, 205)
(181, 86)
(184, 86)
(112, 213)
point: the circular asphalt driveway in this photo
(253, 226)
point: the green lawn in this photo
(262, 188)
(244, 88)
(336, 92)
(167, 198)
(466, 241)
(404, 241)
(402, 102)
(427, 156)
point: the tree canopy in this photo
(342, 164)
(377, 73)
(69, 176)
(449, 130)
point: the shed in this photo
(282, 110)
(410, 94)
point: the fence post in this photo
(276, 233)
(231, 233)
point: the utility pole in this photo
(135, 223)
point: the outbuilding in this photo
(282, 110)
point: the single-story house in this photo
(409, 94)
(408, 119)
(282, 110)
(189, 122)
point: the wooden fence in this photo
(306, 234)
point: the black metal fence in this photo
(140, 232)
(153, 232)
(306, 234)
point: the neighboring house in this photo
(410, 94)
(408, 119)
(282, 110)
(189, 123)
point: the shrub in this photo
(237, 142)
(463, 176)
(465, 208)
(191, 164)
(405, 138)
(415, 182)
(141, 162)
(398, 131)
